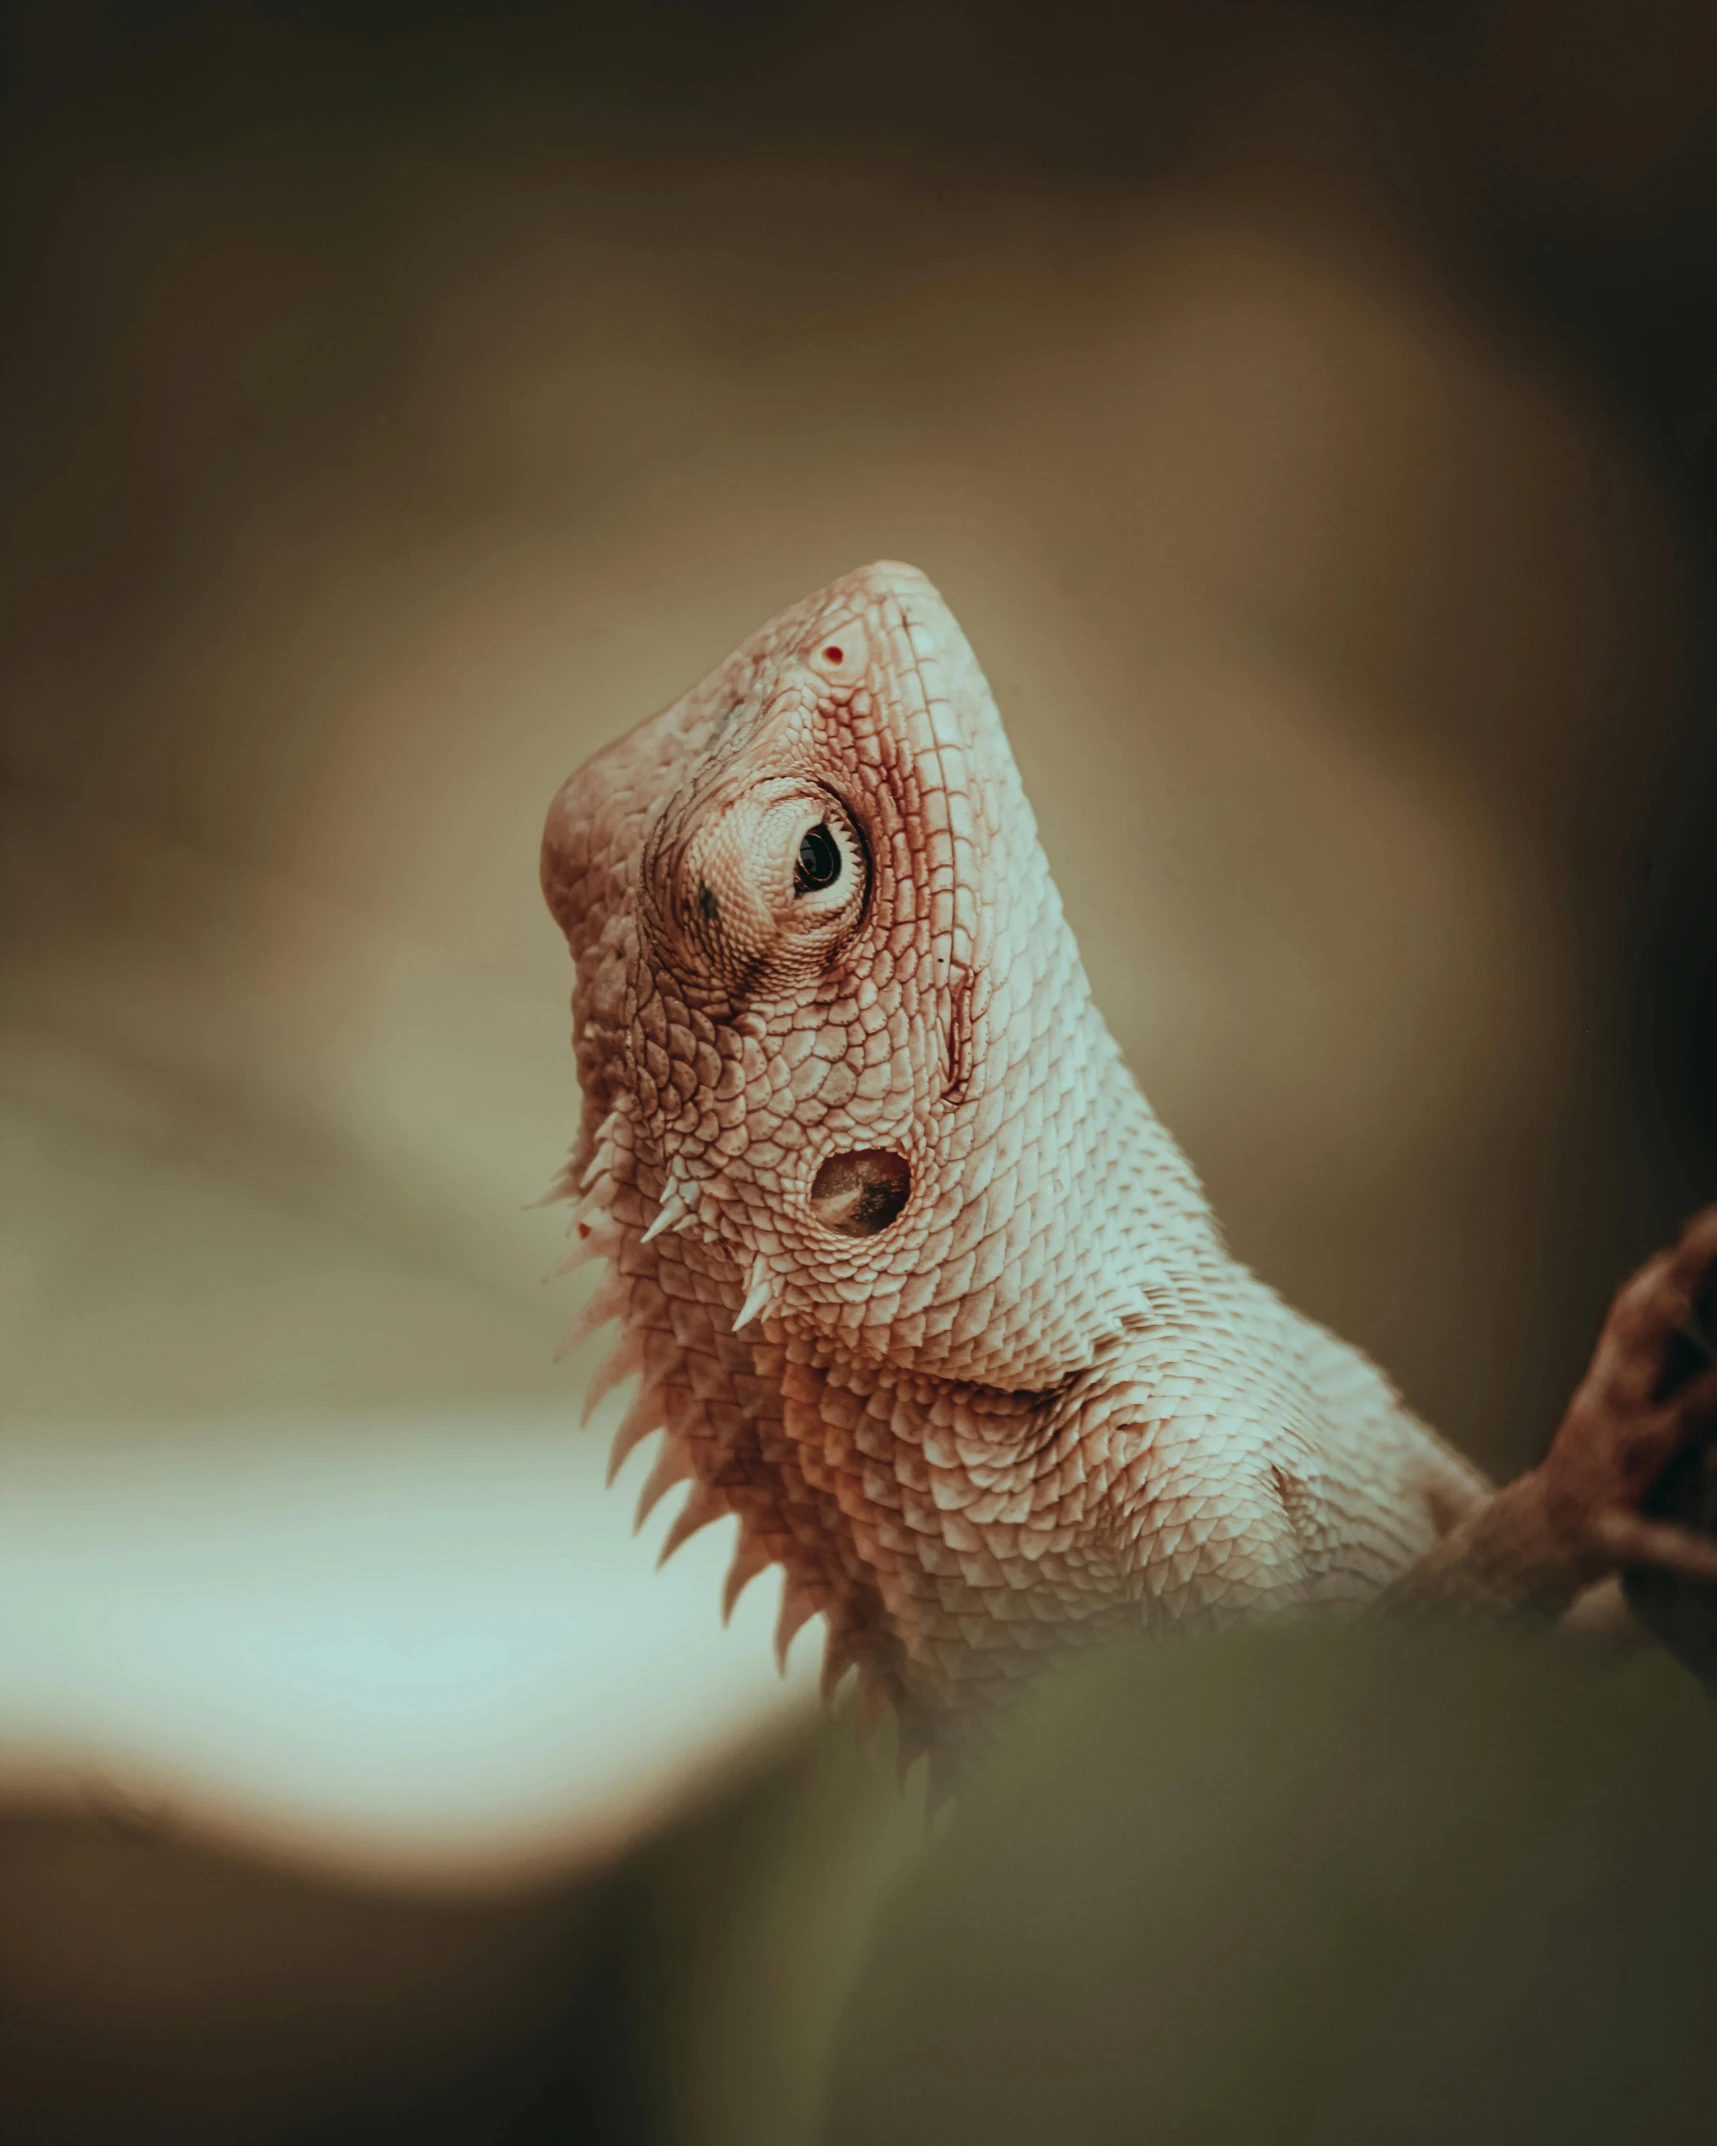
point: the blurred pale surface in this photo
(422, 1647)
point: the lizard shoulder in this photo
(1248, 1478)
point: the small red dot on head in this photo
(831, 654)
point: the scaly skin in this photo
(1038, 1402)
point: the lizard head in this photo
(828, 1017)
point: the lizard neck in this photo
(935, 1522)
(1070, 1204)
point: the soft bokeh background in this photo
(1311, 414)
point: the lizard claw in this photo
(1630, 1539)
(1649, 1396)
(1666, 1545)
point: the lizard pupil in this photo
(819, 862)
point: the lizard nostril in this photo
(841, 658)
(858, 1194)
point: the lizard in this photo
(914, 1282)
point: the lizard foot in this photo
(1675, 1596)
(1627, 1481)
(1625, 1487)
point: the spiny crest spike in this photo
(562, 1186)
(605, 1152)
(911, 1736)
(838, 1658)
(626, 1356)
(675, 1210)
(609, 1302)
(751, 1558)
(644, 1417)
(758, 1295)
(797, 1609)
(704, 1503)
(673, 1465)
(591, 1244)
(871, 1705)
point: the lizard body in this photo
(915, 1283)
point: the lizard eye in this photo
(819, 863)
(826, 860)
(778, 872)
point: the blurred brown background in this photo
(1311, 414)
